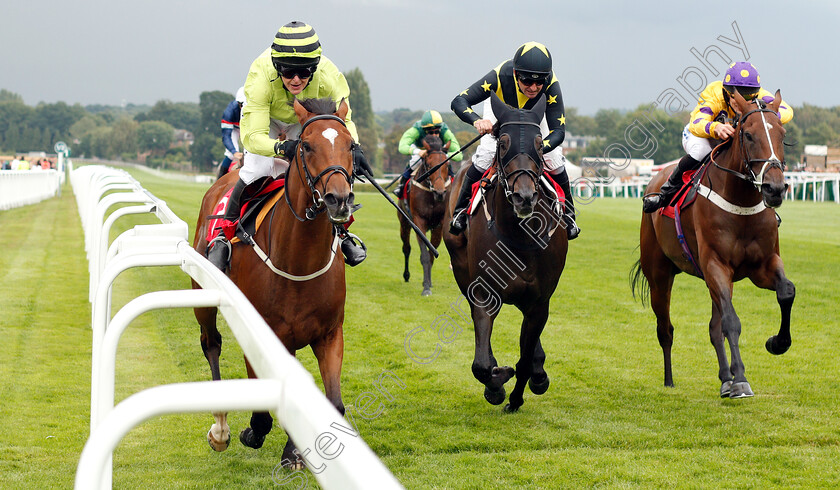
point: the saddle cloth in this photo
(253, 210)
(687, 194)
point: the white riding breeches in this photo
(257, 166)
(695, 146)
(483, 157)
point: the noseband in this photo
(767, 163)
(427, 168)
(317, 206)
(531, 174)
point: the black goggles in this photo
(432, 130)
(529, 79)
(302, 72)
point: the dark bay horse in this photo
(731, 233)
(510, 253)
(301, 311)
(424, 204)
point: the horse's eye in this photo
(748, 136)
(306, 146)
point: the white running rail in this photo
(284, 388)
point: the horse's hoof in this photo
(249, 438)
(406, 276)
(292, 464)
(538, 388)
(217, 445)
(741, 390)
(510, 408)
(725, 389)
(775, 347)
(495, 397)
(426, 292)
(504, 373)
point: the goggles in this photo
(529, 79)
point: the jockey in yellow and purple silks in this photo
(519, 82)
(411, 143)
(293, 67)
(709, 120)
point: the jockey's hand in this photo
(285, 149)
(724, 131)
(361, 167)
(238, 156)
(422, 153)
(483, 126)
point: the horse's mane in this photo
(434, 141)
(324, 105)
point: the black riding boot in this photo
(218, 250)
(562, 179)
(670, 188)
(401, 184)
(460, 214)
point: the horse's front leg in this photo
(719, 281)
(253, 436)
(425, 257)
(539, 381)
(211, 343)
(533, 322)
(405, 230)
(716, 337)
(772, 276)
(484, 367)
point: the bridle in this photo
(534, 175)
(767, 163)
(431, 177)
(317, 206)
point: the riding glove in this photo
(285, 149)
(361, 167)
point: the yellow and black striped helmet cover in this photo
(297, 40)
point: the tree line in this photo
(150, 134)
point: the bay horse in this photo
(424, 204)
(301, 310)
(501, 257)
(731, 234)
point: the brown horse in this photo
(731, 233)
(302, 311)
(424, 204)
(510, 253)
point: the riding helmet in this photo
(431, 119)
(532, 58)
(743, 77)
(296, 45)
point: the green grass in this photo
(606, 421)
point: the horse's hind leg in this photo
(661, 280)
(211, 343)
(533, 322)
(773, 277)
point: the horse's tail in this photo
(638, 282)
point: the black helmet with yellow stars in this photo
(532, 60)
(296, 45)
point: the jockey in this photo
(411, 143)
(292, 67)
(230, 131)
(519, 83)
(709, 120)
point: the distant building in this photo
(821, 158)
(593, 167)
(573, 142)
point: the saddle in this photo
(258, 199)
(687, 194)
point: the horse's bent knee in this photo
(785, 292)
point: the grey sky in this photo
(414, 54)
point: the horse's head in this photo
(325, 155)
(759, 140)
(436, 154)
(519, 153)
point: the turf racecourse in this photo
(606, 420)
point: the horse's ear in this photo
(740, 102)
(426, 145)
(343, 109)
(499, 107)
(777, 101)
(300, 111)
